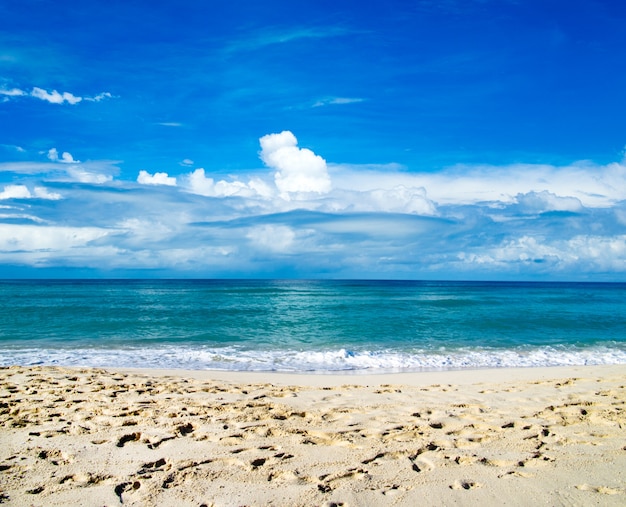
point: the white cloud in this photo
(15, 192)
(66, 157)
(99, 97)
(53, 154)
(23, 192)
(145, 178)
(81, 174)
(186, 162)
(275, 238)
(401, 199)
(35, 238)
(540, 202)
(53, 97)
(337, 101)
(593, 185)
(298, 170)
(199, 183)
(475, 221)
(595, 253)
(14, 92)
(44, 193)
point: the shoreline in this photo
(410, 378)
(139, 437)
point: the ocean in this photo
(310, 326)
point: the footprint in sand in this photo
(462, 484)
(603, 490)
(131, 437)
(422, 464)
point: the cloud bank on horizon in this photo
(306, 217)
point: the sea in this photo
(313, 326)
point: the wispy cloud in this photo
(332, 101)
(13, 147)
(277, 35)
(53, 97)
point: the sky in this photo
(422, 139)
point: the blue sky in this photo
(474, 139)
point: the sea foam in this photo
(339, 360)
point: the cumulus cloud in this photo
(145, 178)
(544, 201)
(298, 170)
(53, 97)
(199, 183)
(23, 192)
(65, 158)
(15, 192)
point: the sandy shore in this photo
(498, 437)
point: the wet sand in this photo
(553, 436)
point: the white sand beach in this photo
(550, 436)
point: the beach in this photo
(527, 436)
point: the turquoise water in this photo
(319, 326)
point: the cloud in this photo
(37, 243)
(306, 218)
(14, 92)
(199, 184)
(15, 192)
(593, 185)
(186, 162)
(544, 201)
(298, 170)
(13, 147)
(101, 171)
(555, 255)
(66, 157)
(145, 178)
(23, 192)
(53, 97)
(99, 97)
(275, 238)
(273, 37)
(337, 101)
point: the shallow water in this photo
(285, 325)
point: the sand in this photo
(139, 438)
